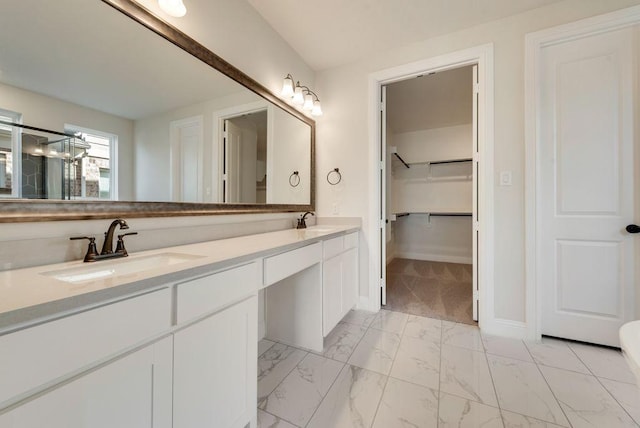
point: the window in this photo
(10, 156)
(95, 170)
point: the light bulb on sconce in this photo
(317, 109)
(312, 103)
(175, 8)
(287, 87)
(308, 102)
(298, 96)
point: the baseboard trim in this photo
(505, 328)
(434, 257)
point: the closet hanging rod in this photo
(401, 160)
(33, 128)
(450, 214)
(436, 214)
(450, 161)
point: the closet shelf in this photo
(435, 162)
(397, 215)
(394, 151)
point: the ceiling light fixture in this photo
(301, 95)
(174, 8)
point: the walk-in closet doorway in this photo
(429, 136)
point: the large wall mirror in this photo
(122, 114)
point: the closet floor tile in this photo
(430, 289)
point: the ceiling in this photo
(330, 33)
(431, 101)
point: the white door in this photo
(186, 160)
(232, 157)
(474, 219)
(382, 217)
(586, 181)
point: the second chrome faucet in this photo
(107, 247)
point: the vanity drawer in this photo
(332, 246)
(351, 240)
(204, 295)
(38, 355)
(286, 264)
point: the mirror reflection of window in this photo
(93, 165)
(10, 148)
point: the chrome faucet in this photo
(301, 221)
(107, 246)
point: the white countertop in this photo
(26, 295)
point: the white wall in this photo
(235, 31)
(439, 239)
(288, 150)
(451, 142)
(51, 113)
(343, 131)
(418, 236)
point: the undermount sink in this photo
(118, 267)
(319, 230)
(630, 344)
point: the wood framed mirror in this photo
(175, 130)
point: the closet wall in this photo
(418, 196)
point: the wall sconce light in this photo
(301, 95)
(287, 87)
(173, 7)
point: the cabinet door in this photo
(350, 281)
(331, 293)
(133, 391)
(215, 369)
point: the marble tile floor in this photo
(430, 289)
(393, 369)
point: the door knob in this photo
(633, 228)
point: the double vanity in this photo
(166, 338)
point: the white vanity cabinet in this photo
(339, 279)
(87, 370)
(130, 392)
(181, 354)
(215, 367)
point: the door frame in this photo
(534, 43)
(217, 135)
(483, 57)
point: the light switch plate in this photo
(505, 178)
